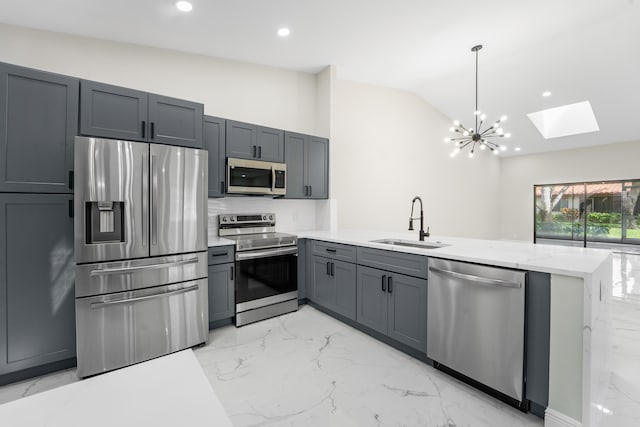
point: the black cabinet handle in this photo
(333, 273)
(310, 191)
(328, 269)
(70, 180)
(222, 187)
(231, 273)
(333, 251)
(390, 284)
(153, 130)
(144, 128)
(254, 151)
(260, 152)
(384, 279)
(71, 208)
(218, 254)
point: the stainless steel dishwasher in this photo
(475, 324)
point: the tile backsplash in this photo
(291, 215)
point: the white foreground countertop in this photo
(168, 391)
(565, 260)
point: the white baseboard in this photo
(557, 419)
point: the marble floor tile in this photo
(308, 369)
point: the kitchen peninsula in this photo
(580, 279)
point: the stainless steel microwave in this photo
(256, 177)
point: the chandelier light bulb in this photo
(452, 129)
(483, 117)
(456, 123)
(507, 135)
(503, 118)
(477, 112)
(465, 133)
(503, 148)
(471, 154)
(483, 147)
(496, 152)
(447, 140)
(499, 131)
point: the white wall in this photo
(519, 174)
(387, 147)
(240, 91)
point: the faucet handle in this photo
(427, 234)
(410, 225)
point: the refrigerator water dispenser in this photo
(105, 222)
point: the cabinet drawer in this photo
(397, 262)
(337, 251)
(221, 254)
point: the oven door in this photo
(266, 277)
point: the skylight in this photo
(566, 120)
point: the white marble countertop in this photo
(570, 261)
(169, 391)
(215, 240)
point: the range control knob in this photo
(233, 218)
(270, 217)
(264, 217)
(224, 219)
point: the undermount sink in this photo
(397, 242)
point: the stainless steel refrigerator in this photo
(140, 218)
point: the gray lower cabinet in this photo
(221, 292)
(249, 141)
(222, 300)
(121, 113)
(38, 121)
(393, 304)
(37, 272)
(215, 144)
(334, 285)
(307, 159)
(302, 269)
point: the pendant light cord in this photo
(476, 110)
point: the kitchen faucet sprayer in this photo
(422, 233)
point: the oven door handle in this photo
(241, 256)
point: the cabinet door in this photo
(222, 303)
(241, 140)
(324, 292)
(371, 298)
(175, 121)
(113, 112)
(37, 270)
(294, 147)
(317, 167)
(302, 271)
(215, 144)
(344, 275)
(38, 121)
(270, 144)
(407, 320)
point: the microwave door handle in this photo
(273, 179)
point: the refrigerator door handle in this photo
(154, 201)
(104, 271)
(145, 200)
(146, 297)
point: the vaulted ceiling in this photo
(577, 49)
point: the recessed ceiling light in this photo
(546, 93)
(566, 120)
(517, 149)
(184, 6)
(284, 32)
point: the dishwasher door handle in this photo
(477, 279)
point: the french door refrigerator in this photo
(140, 218)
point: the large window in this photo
(584, 212)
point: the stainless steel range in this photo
(266, 279)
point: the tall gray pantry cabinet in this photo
(38, 121)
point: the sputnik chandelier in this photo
(478, 137)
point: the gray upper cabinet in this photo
(175, 121)
(37, 271)
(215, 144)
(115, 112)
(307, 159)
(249, 141)
(394, 305)
(38, 121)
